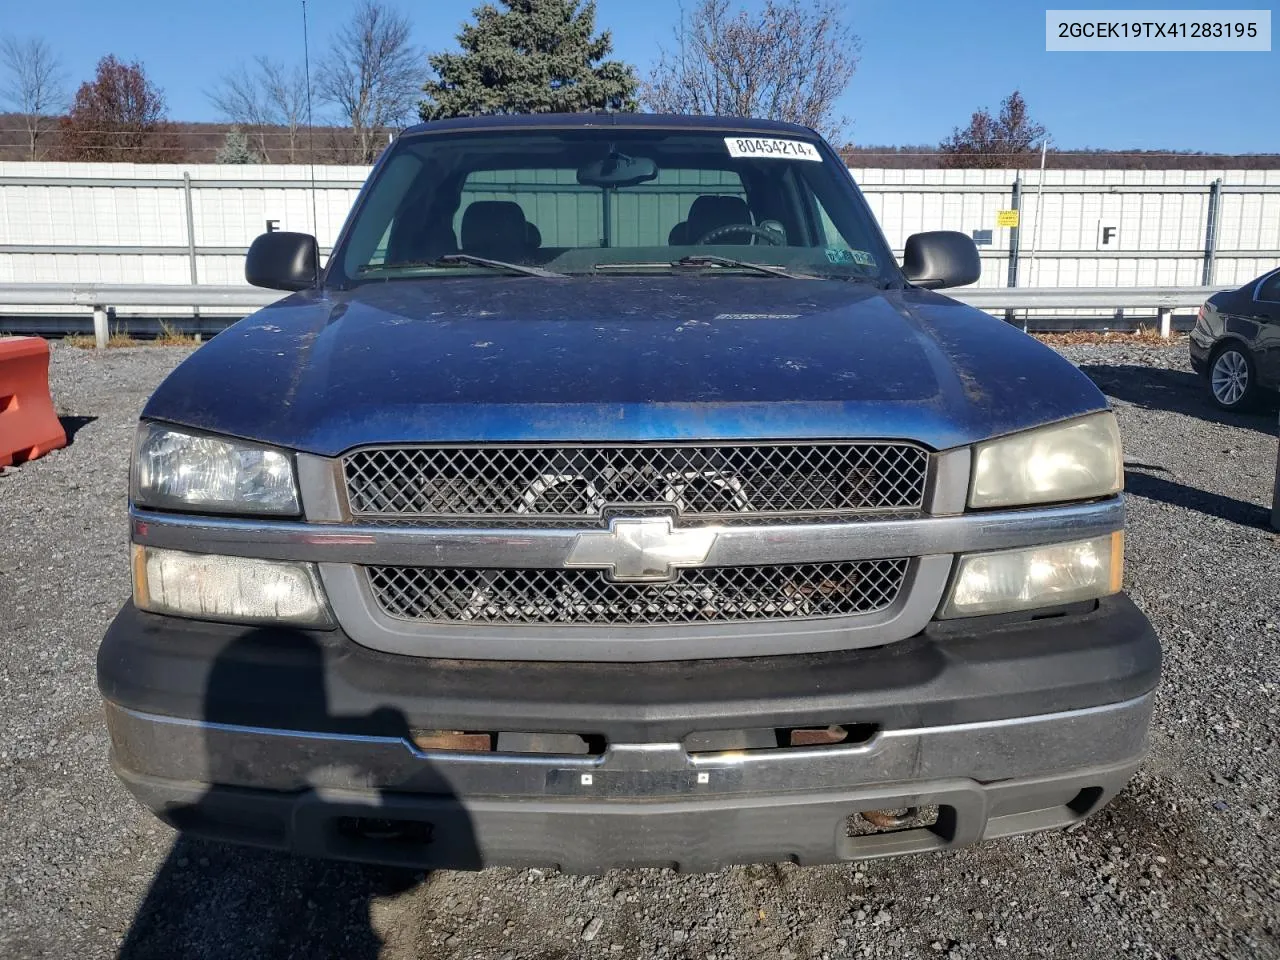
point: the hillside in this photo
(199, 142)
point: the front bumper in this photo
(304, 741)
(602, 815)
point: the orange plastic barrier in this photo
(28, 426)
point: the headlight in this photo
(240, 589)
(1076, 460)
(1009, 580)
(175, 469)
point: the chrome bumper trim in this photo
(732, 546)
(198, 752)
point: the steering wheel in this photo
(771, 237)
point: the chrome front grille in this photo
(581, 485)
(577, 596)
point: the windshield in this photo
(605, 200)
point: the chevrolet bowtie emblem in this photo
(641, 550)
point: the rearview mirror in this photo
(941, 258)
(617, 170)
(283, 261)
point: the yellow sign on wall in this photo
(1006, 218)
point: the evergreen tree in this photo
(530, 56)
(235, 149)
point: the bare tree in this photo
(261, 97)
(241, 99)
(1000, 141)
(33, 86)
(373, 75)
(785, 61)
(287, 93)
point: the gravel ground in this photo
(1185, 863)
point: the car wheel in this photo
(1232, 378)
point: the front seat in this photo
(425, 240)
(707, 212)
(497, 229)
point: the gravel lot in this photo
(1185, 863)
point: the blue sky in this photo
(925, 66)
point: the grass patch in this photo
(86, 341)
(169, 336)
(1143, 335)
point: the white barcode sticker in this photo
(770, 149)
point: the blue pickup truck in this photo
(614, 497)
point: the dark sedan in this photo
(1235, 344)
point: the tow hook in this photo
(883, 820)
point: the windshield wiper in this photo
(710, 260)
(522, 268)
(453, 259)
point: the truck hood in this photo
(619, 358)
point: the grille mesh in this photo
(573, 596)
(578, 485)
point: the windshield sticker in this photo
(841, 255)
(757, 316)
(766, 148)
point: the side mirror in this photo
(941, 258)
(283, 261)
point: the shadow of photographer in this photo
(1177, 391)
(215, 899)
(1140, 480)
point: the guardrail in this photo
(103, 298)
(1164, 299)
(97, 295)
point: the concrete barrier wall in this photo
(1100, 228)
(134, 223)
